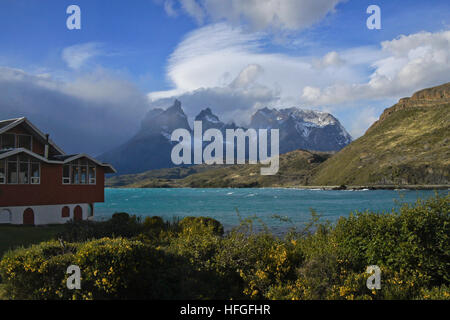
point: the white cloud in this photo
(206, 51)
(247, 76)
(220, 58)
(233, 102)
(77, 55)
(331, 59)
(408, 63)
(261, 14)
(169, 8)
(193, 9)
(311, 93)
(363, 118)
(228, 70)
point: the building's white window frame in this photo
(93, 180)
(65, 179)
(35, 180)
(17, 162)
(78, 165)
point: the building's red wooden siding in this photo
(51, 191)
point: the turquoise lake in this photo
(221, 204)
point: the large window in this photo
(24, 172)
(35, 173)
(20, 170)
(24, 141)
(12, 140)
(75, 174)
(92, 175)
(12, 170)
(8, 141)
(81, 171)
(66, 174)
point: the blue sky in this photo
(232, 56)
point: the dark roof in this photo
(5, 150)
(19, 150)
(62, 157)
(4, 123)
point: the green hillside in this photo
(408, 145)
(161, 178)
(295, 170)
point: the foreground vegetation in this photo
(125, 258)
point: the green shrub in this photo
(414, 240)
(120, 225)
(197, 242)
(436, 293)
(153, 223)
(202, 223)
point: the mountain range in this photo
(151, 147)
(408, 146)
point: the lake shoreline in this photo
(350, 187)
(377, 187)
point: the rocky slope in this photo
(409, 144)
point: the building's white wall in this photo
(5, 216)
(43, 214)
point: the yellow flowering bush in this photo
(110, 269)
(194, 259)
(38, 272)
(117, 268)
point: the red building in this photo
(39, 183)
